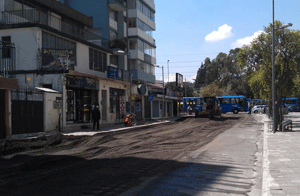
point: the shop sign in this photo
(122, 105)
(150, 98)
(82, 82)
(126, 76)
(55, 59)
(115, 73)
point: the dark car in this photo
(294, 108)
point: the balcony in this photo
(142, 76)
(35, 16)
(118, 5)
(118, 44)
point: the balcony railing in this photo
(35, 16)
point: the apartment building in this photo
(128, 25)
(47, 44)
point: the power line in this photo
(188, 54)
(171, 62)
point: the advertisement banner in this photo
(55, 59)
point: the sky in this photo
(189, 31)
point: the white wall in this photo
(26, 42)
(51, 114)
(34, 80)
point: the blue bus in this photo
(234, 103)
(292, 101)
(189, 101)
(258, 101)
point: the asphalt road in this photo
(215, 156)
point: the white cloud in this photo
(246, 40)
(223, 32)
(191, 79)
(173, 78)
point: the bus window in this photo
(233, 101)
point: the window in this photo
(133, 44)
(97, 60)
(114, 60)
(132, 22)
(6, 42)
(53, 42)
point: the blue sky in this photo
(189, 31)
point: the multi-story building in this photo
(128, 25)
(48, 44)
(87, 51)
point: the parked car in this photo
(258, 108)
(294, 108)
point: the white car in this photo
(258, 108)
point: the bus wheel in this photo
(235, 111)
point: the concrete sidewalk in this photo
(281, 159)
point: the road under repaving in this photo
(113, 163)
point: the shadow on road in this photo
(71, 175)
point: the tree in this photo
(257, 60)
(211, 90)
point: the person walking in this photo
(96, 116)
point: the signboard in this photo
(82, 82)
(55, 59)
(179, 80)
(150, 98)
(142, 89)
(113, 72)
(122, 105)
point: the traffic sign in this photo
(150, 98)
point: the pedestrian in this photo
(250, 107)
(96, 116)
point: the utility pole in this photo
(185, 88)
(163, 93)
(168, 73)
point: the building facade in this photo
(129, 26)
(88, 52)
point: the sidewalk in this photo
(281, 160)
(88, 131)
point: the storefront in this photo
(81, 96)
(117, 104)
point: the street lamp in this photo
(273, 67)
(162, 67)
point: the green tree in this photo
(211, 90)
(257, 60)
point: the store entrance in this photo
(79, 105)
